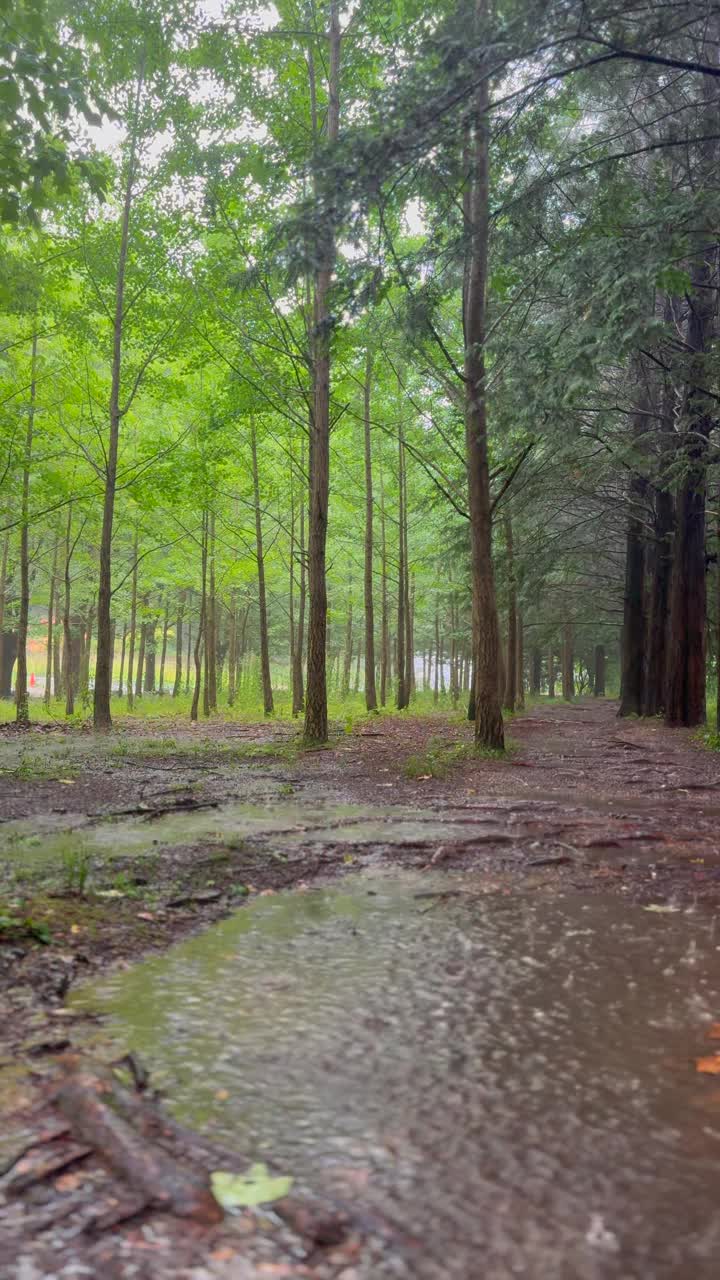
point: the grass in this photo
(441, 756)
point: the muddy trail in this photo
(461, 1002)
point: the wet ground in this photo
(500, 1085)
(499, 1077)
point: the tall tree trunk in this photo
(50, 625)
(141, 649)
(3, 589)
(163, 651)
(177, 683)
(133, 624)
(122, 659)
(22, 710)
(200, 637)
(632, 686)
(316, 727)
(211, 629)
(232, 648)
(568, 664)
(68, 662)
(599, 673)
(348, 654)
(488, 721)
(87, 651)
(262, 601)
(103, 666)
(438, 654)
(150, 654)
(551, 671)
(370, 690)
(189, 640)
(659, 597)
(535, 671)
(401, 699)
(384, 617)
(685, 696)
(520, 662)
(511, 670)
(298, 697)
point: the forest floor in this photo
(112, 848)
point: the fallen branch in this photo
(96, 1105)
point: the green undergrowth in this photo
(442, 756)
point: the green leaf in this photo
(245, 1190)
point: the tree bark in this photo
(268, 706)
(133, 624)
(401, 699)
(551, 672)
(103, 668)
(211, 628)
(50, 628)
(370, 689)
(22, 710)
(511, 670)
(599, 674)
(163, 651)
(685, 690)
(568, 664)
(520, 662)
(488, 716)
(122, 659)
(201, 623)
(177, 683)
(316, 726)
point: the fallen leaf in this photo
(222, 1095)
(663, 907)
(145, 915)
(225, 1254)
(74, 928)
(423, 777)
(713, 1031)
(709, 1066)
(243, 1190)
(67, 782)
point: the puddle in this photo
(501, 1083)
(37, 844)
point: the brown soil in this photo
(583, 799)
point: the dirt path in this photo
(178, 830)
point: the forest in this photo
(345, 354)
(359, 639)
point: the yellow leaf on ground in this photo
(709, 1066)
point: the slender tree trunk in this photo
(150, 654)
(122, 659)
(211, 630)
(298, 701)
(201, 626)
(22, 710)
(370, 690)
(402, 697)
(57, 667)
(511, 670)
(488, 722)
(232, 648)
(348, 654)
(633, 643)
(568, 664)
(438, 654)
(189, 640)
(177, 683)
(87, 651)
(68, 663)
(659, 599)
(520, 662)
(268, 706)
(133, 624)
(358, 663)
(599, 674)
(384, 618)
(316, 727)
(103, 667)
(551, 672)
(141, 650)
(163, 651)
(535, 671)
(3, 589)
(50, 623)
(685, 689)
